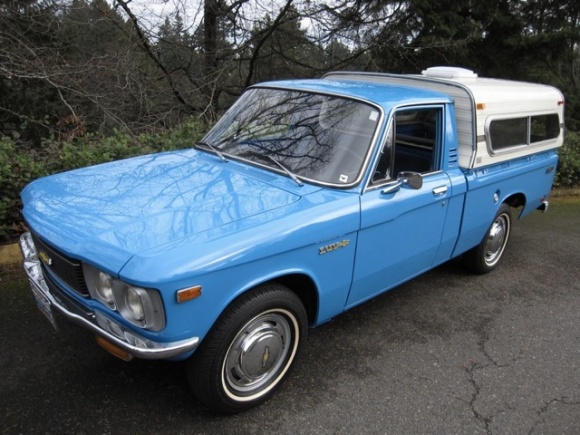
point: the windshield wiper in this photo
(278, 163)
(285, 169)
(212, 149)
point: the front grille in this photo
(65, 268)
(65, 300)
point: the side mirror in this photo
(412, 179)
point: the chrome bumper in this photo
(119, 335)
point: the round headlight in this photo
(134, 304)
(104, 288)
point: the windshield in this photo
(312, 136)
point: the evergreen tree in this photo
(28, 98)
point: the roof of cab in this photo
(385, 95)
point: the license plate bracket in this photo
(44, 305)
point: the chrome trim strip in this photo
(145, 348)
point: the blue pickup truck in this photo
(307, 198)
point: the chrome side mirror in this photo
(412, 179)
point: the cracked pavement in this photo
(446, 353)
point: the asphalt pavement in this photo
(447, 353)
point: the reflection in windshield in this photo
(317, 137)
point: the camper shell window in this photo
(509, 133)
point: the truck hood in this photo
(116, 210)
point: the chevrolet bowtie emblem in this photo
(265, 357)
(44, 257)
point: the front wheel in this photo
(485, 256)
(250, 350)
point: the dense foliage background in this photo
(83, 82)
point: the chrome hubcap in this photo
(259, 353)
(496, 240)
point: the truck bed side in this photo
(523, 182)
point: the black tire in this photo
(250, 350)
(486, 256)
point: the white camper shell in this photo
(497, 120)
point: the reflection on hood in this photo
(137, 204)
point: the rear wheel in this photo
(486, 256)
(250, 350)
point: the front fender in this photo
(317, 241)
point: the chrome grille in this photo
(65, 268)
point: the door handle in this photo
(440, 190)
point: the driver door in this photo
(401, 231)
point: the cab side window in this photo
(411, 144)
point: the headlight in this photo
(104, 289)
(140, 306)
(134, 304)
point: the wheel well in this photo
(305, 289)
(517, 201)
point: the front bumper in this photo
(105, 327)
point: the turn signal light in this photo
(188, 294)
(113, 350)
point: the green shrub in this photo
(20, 164)
(92, 150)
(568, 174)
(17, 168)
